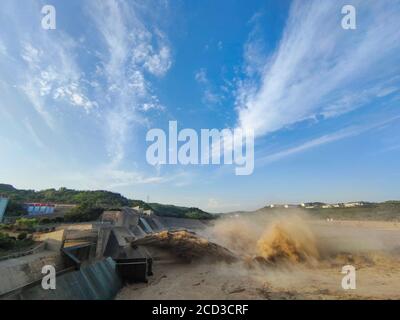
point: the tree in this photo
(15, 208)
(26, 223)
(84, 212)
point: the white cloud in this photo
(159, 63)
(320, 68)
(325, 139)
(109, 177)
(51, 71)
(37, 102)
(33, 134)
(104, 70)
(201, 76)
(209, 95)
(131, 52)
(254, 49)
(308, 145)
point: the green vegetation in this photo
(95, 199)
(141, 204)
(99, 198)
(84, 212)
(15, 208)
(384, 211)
(22, 236)
(379, 211)
(179, 212)
(51, 221)
(90, 204)
(25, 224)
(4, 226)
(8, 243)
(6, 187)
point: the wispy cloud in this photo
(325, 139)
(319, 68)
(131, 53)
(391, 148)
(33, 134)
(52, 69)
(52, 75)
(109, 177)
(43, 64)
(210, 97)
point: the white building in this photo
(353, 204)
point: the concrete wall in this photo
(98, 281)
(16, 273)
(53, 240)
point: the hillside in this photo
(388, 210)
(177, 212)
(99, 199)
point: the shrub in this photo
(45, 221)
(22, 236)
(6, 242)
(84, 212)
(59, 220)
(25, 223)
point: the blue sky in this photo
(76, 102)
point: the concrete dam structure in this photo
(97, 281)
(92, 261)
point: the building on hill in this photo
(41, 211)
(284, 206)
(290, 206)
(353, 204)
(313, 205)
(138, 209)
(148, 212)
(37, 209)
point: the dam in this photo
(92, 260)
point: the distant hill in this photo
(388, 210)
(6, 187)
(99, 199)
(175, 211)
